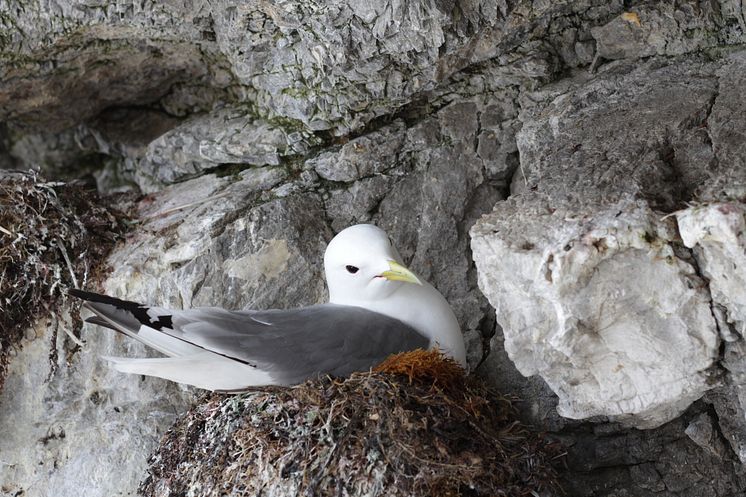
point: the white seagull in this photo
(377, 307)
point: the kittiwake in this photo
(377, 307)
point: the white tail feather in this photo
(203, 370)
(166, 344)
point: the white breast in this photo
(424, 309)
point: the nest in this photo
(418, 426)
(52, 237)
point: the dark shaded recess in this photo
(90, 75)
(608, 459)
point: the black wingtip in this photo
(138, 311)
(98, 321)
(101, 299)
(81, 294)
(104, 323)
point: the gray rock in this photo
(152, 149)
(358, 202)
(342, 63)
(590, 138)
(96, 71)
(538, 403)
(702, 430)
(734, 360)
(586, 145)
(497, 146)
(223, 241)
(334, 66)
(659, 29)
(730, 419)
(331, 67)
(225, 136)
(361, 157)
(85, 57)
(727, 178)
(615, 462)
(84, 424)
(58, 154)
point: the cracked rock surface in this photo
(597, 302)
(571, 175)
(255, 239)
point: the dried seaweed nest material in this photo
(377, 433)
(52, 235)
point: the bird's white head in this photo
(364, 269)
(362, 265)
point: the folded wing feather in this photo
(218, 349)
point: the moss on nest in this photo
(51, 234)
(395, 433)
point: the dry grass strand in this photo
(50, 233)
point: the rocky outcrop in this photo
(84, 427)
(330, 66)
(597, 292)
(605, 138)
(250, 239)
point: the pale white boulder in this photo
(717, 233)
(601, 305)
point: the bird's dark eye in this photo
(352, 269)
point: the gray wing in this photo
(295, 344)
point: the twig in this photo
(85, 271)
(675, 213)
(61, 246)
(523, 173)
(311, 488)
(68, 332)
(412, 454)
(75, 339)
(594, 64)
(6, 231)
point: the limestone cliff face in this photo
(571, 175)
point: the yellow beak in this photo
(397, 272)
